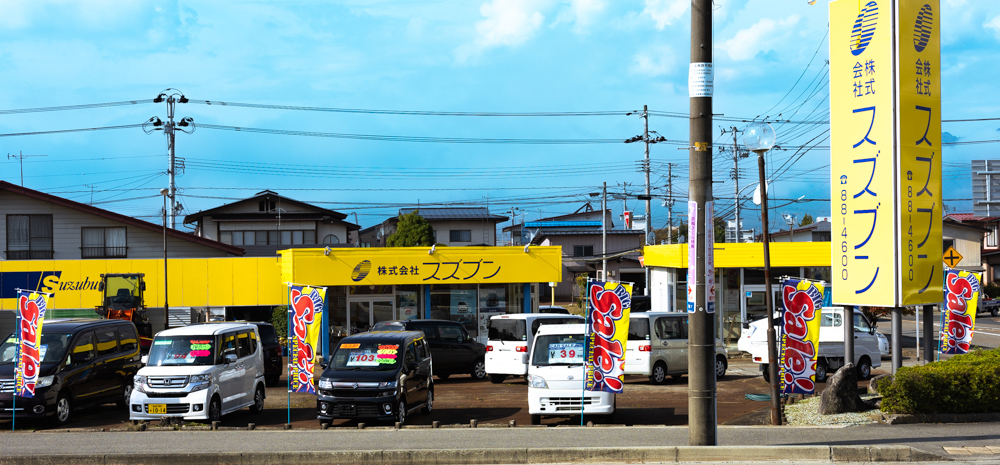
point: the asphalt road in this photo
(930, 438)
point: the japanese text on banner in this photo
(803, 307)
(607, 332)
(306, 309)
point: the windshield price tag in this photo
(364, 358)
(571, 352)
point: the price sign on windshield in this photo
(571, 352)
(365, 358)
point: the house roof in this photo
(128, 220)
(958, 224)
(822, 226)
(567, 217)
(562, 224)
(266, 195)
(455, 213)
(964, 217)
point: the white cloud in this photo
(585, 12)
(760, 37)
(656, 61)
(665, 12)
(507, 23)
(995, 25)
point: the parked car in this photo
(641, 303)
(453, 350)
(380, 375)
(553, 309)
(273, 364)
(884, 348)
(510, 338)
(658, 346)
(84, 362)
(831, 344)
(201, 372)
(556, 376)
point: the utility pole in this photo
(702, 407)
(670, 203)
(649, 219)
(21, 156)
(172, 97)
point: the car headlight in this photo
(200, 382)
(325, 384)
(537, 382)
(388, 385)
(44, 381)
(139, 384)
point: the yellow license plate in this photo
(157, 408)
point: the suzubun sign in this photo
(885, 114)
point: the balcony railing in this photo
(104, 252)
(29, 255)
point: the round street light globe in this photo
(758, 137)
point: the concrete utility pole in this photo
(736, 178)
(702, 416)
(670, 203)
(186, 125)
(21, 156)
(649, 219)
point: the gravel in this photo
(806, 413)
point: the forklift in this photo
(122, 299)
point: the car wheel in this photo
(444, 376)
(767, 374)
(64, 409)
(214, 410)
(429, 406)
(401, 412)
(497, 379)
(258, 400)
(536, 420)
(820, 371)
(126, 395)
(994, 311)
(864, 368)
(659, 375)
(720, 366)
(479, 370)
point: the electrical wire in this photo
(63, 131)
(75, 107)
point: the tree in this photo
(279, 318)
(720, 230)
(877, 313)
(412, 231)
(675, 234)
(806, 219)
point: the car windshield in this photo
(52, 348)
(558, 349)
(367, 356)
(638, 329)
(182, 350)
(389, 326)
(507, 330)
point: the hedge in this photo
(968, 383)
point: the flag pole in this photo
(586, 350)
(17, 367)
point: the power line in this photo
(62, 131)
(378, 137)
(75, 107)
(410, 112)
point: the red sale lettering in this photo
(798, 349)
(606, 318)
(30, 313)
(961, 298)
(306, 305)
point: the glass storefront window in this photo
(756, 275)
(407, 302)
(370, 290)
(456, 302)
(819, 273)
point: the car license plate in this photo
(157, 408)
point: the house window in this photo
(460, 235)
(103, 242)
(243, 238)
(29, 237)
(991, 236)
(948, 243)
(331, 239)
(266, 205)
(583, 251)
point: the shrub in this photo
(279, 318)
(968, 383)
(992, 290)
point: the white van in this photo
(556, 376)
(658, 346)
(831, 344)
(200, 372)
(509, 341)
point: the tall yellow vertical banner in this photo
(885, 179)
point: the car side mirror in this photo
(230, 358)
(323, 365)
(145, 359)
(100, 287)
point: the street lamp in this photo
(758, 137)
(166, 307)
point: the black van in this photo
(85, 362)
(273, 366)
(453, 350)
(382, 375)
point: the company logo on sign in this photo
(361, 271)
(864, 28)
(922, 28)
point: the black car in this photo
(379, 375)
(83, 363)
(454, 351)
(273, 366)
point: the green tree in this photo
(720, 230)
(412, 231)
(806, 220)
(279, 318)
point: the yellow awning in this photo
(744, 255)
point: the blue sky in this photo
(463, 56)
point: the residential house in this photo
(814, 232)
(452, 226)
(268, 222)
(974, 237)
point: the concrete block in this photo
(210, 458)
(850, 454)
(453, 456)
(890, 454)
(310, 458)
(54, 459)
(601, 454)
(752, 453)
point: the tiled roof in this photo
(970, 217)
(455, 213)
(562, 224)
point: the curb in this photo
(909, 419)
(768, 454)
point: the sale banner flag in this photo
(31, 308)
(799, 341)
(958, 320)
(607, 332)
(306, 309)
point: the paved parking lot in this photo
(459, 399)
